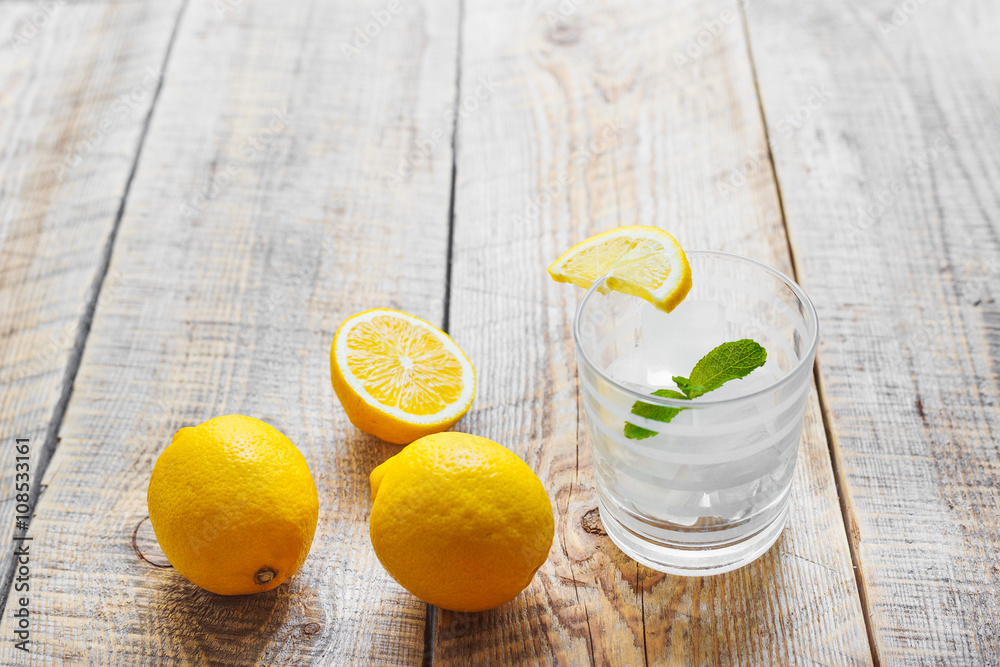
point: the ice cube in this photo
(651, 493)
(672, 343)
(628, 370)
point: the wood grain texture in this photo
(892, 199)
(593, 124)
(264, 211)
(76, 86)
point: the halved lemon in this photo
(398, 377)
(646, 262)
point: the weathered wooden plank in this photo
(76, 86)
(598, 121)
(890, 190)
(264, 211)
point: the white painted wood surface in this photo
(77, 83)
(891, 191)
(296, 170)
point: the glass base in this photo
(696, 561)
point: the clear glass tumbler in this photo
(709, 492)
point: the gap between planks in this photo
(431, 618)
(446, 306)
(86, 320)
(820, 395)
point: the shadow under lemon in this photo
(195, 626)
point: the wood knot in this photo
(310, 628)
(264, 575)
(591, 522)
(564, 34)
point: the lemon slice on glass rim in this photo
(646, 262)
(399, 377)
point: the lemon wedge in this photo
(646, 262)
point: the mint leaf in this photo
(633, 432)
(683, 384)
(729, 361)
(660, 413)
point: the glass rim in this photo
(701, 401)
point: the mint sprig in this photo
(660, 413)
(729, 361)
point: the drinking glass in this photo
(709, 492)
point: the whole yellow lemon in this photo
(460, 521)
(233, 505)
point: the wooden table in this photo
(196, 193)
